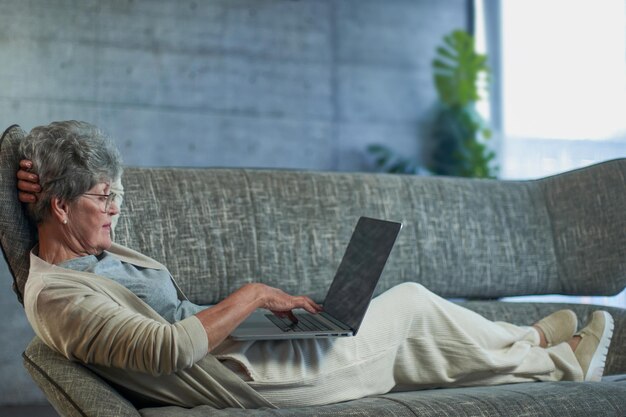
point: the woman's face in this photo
(89, 224)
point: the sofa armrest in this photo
(72, 389)
(587, 219)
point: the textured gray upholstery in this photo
(462, 238)
(17, 235)
(219, 228)
(588, 220)
(71, 388)
(531, 400)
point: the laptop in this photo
(349, 294)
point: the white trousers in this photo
(410, 339)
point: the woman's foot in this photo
(591, 345)
(556, 328)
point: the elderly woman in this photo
(122, 314)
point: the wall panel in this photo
(258, 83)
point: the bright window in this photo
(563, 84)
(558, 95)
(564, 69)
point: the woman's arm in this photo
(220, 320)
(87, 325)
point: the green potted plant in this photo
(458, 144)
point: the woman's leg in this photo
(449, 345)
(410, 339)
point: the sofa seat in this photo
(545, 399)
(75, 386)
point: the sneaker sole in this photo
(596, 367)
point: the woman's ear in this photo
(60, 209)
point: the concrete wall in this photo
(263, 83)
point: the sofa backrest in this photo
(217, 229)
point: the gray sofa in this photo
(478, 240)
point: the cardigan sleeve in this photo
(90, 327)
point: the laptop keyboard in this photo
(306, 323)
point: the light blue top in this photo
(155, 287)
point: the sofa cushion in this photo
(572, 399)
(378, 407)
(540, 399)
(17, 235)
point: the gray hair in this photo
(70, 158)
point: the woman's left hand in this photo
(27, 183)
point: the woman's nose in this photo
(113, 208)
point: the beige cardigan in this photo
(100, 323)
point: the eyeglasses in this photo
(105, 199)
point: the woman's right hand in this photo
(27, 183)
(281, 304)
(221, 319)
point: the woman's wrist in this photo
(257, 293)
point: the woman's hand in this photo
(27, 183)
(221, 319)
(281, 303)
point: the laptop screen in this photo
(362, 264)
